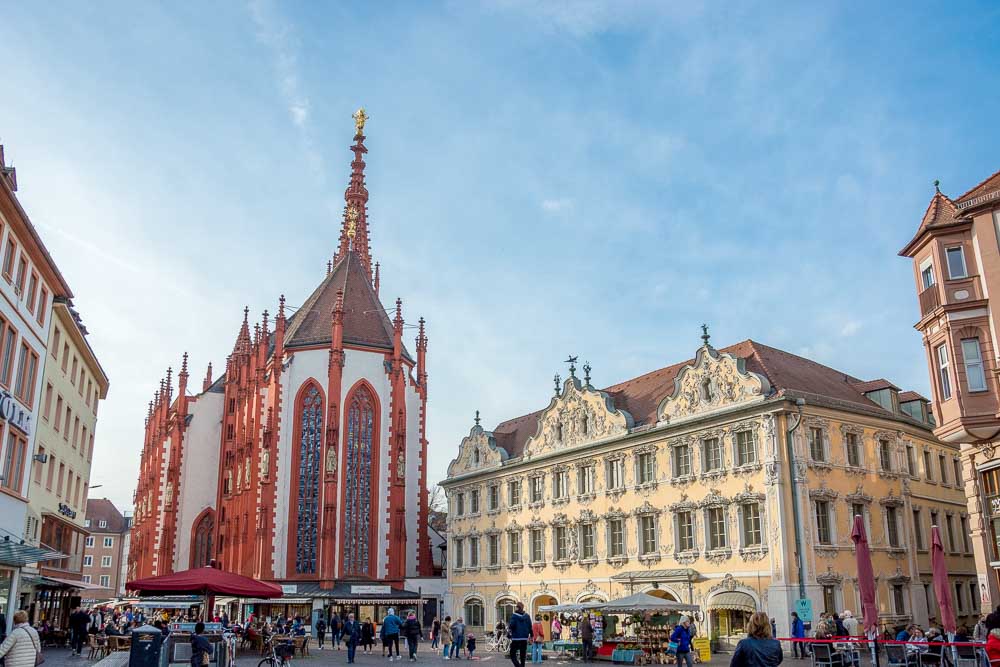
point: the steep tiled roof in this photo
(102, 509)
(641, 396)
(989, 186)
(941, 212)
(874, 385)
(365, 319)
(908, 396)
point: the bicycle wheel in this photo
(267, 662)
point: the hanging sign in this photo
(15, 415)
(804, 608)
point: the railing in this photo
(930, 299)
(976, 201)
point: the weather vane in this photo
(704, 334)
(352, 222)
(572, 365)
(360, 117)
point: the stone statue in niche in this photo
(401, 465)
(331, 460)
(169, 494)
(246, 472)
(265, 463)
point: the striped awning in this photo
(734, 600)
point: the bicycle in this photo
(279, 655)
(499, 643)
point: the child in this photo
(470, 645)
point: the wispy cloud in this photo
(557, 205)
(850, 328)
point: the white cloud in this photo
(850, 328)
(557, 205)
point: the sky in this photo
(546, 179)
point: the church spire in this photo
(354, 228)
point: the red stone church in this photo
(304, 462)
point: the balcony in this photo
(930, 299)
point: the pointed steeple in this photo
(354, 228)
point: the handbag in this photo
(672, 648)
(39, 658)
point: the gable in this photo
(478, 450)
(578, 415)
(716, 381)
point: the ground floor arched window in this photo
(505, 608)
(474, 612)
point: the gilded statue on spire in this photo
(360, 117)
(352, 221)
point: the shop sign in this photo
(66, 510)
(703, 646)
(804, 608)
(15, 415)
(289, 589)
(371, 590)
(984, 592)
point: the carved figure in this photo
(360, 117)
(331, 460)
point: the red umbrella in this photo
(941, 588)
(866, 576)
(203, 581)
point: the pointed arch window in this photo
(201, 540)
(309, 457)
(358, 483)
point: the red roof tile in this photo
(991, 184)
(874, 385)
(641, 396)
(908, 396)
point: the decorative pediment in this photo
(715, 381)
(578, 415)
(478, 450)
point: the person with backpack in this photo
(320, 631)
(392, 624)
(201, 648)
(413, 632)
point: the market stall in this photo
(643, 635)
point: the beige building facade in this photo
(679, 483)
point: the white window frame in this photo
(586, 554)
(975, 370)
(961, 256)
(540, 556)
(102, 524)
(706, 446)
(710, 529)
(752, 447)
(927, 271)
(827, 515)
(676, 460)
(473, 552)
(514, 546)
(615, 474)
(612, 552)
(944, 380)
(105, 561)
(858, 448)
(493, 550)
(585, 478)
(811, 435)
(109, 542)
(645, 548)
(645, 468)
(89, 542)
(560, 543)
(88, 561)
(106, 581)
(758, 506)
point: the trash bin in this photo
(146, 644)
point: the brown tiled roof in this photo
(365, 320)
(908, 396)
(941, 212)
(991, 184)
(641, 396)
(874, 385)
(102, 509)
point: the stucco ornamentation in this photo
(478, 450)
(578, 415)
(715, 381)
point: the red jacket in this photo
(992, 647)
(537, 631)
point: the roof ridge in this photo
(979, 185)
(847, 377)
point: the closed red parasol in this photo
(941, 587)
(866, 576)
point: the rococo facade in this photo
(678, 483)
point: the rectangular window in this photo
(560, 484)
(830, 599)
(746, 448)
(928, 470)
(38, 467)
(66, 421)
(585, 480)
(514, 547)
(493, 497)
(911, 463)
(537, 489)
(109, 542)
(86, 578)
(892, 526)
(459, 553)
(823, 535)
(13, 461)
(22, 271)
(83, 439)
(88, 560)
(76, 432)
(957, 465)
(647, 535)
(927, 276)
(105, 580)
(493, 550)
(645, 468)
(959, 598)
(562, 542)
(48, 402)
(32, 292)
(537, 545)
(474, 501)
(918, 530)
(473, 552)
(973, 598)
(898, 601)
(712, 448)
(460, 504)
(55, 343)
(72, 375)
(972, 355)
(587, 546)
(27, 368)
(752, 536)
(682, 460)
(65, 357)
(8, 259)
(52, 470)
(853, 450)
(717, 528)
(858, 509)
(90, 386)
(90, 541)
(105, 561)
(885, 455)
(685, 531)
(941, 353)
(964, 522)
(943, 467)
(616, 474)
(616, 538)
(956, 263)
(949, 522)
(7, 358)
(514, 493)
(817, 450)
(43, 303)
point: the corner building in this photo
(678, 483)
(956, 271)
(304, 462)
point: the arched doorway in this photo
(541, 601)
(729, 612)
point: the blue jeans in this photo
(351, 648)
(456, 645)
(685, 657)
(536, 651)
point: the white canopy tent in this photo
(643, 602)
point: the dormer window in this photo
(956, 263)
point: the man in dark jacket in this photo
(79, 620)
(351, 634)
(519, 629)
(587, 636)
(413, 632)
(320, 631)
(200, 646)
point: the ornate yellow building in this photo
(679, 483)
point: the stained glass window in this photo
(201, 554)
(358, 479)
(310, 444)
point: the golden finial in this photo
(360, 117)
(352, 221)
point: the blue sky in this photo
(546, 178)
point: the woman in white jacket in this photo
(22, 644)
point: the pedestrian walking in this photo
(470, 646)
(368, 635)
(22, 647)
(446, 637)
(799, 648)
(457, 637)
(587, 638)
(381, 636)
(351, 633)
(435, 633)
(79, 620)
(320, 631)
(334, 628)
(519, 629)
(201, 648)
(759, 648)
(537, 638)
(682, 637)
(392, 624)
(413, 632)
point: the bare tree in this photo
(436, 501)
